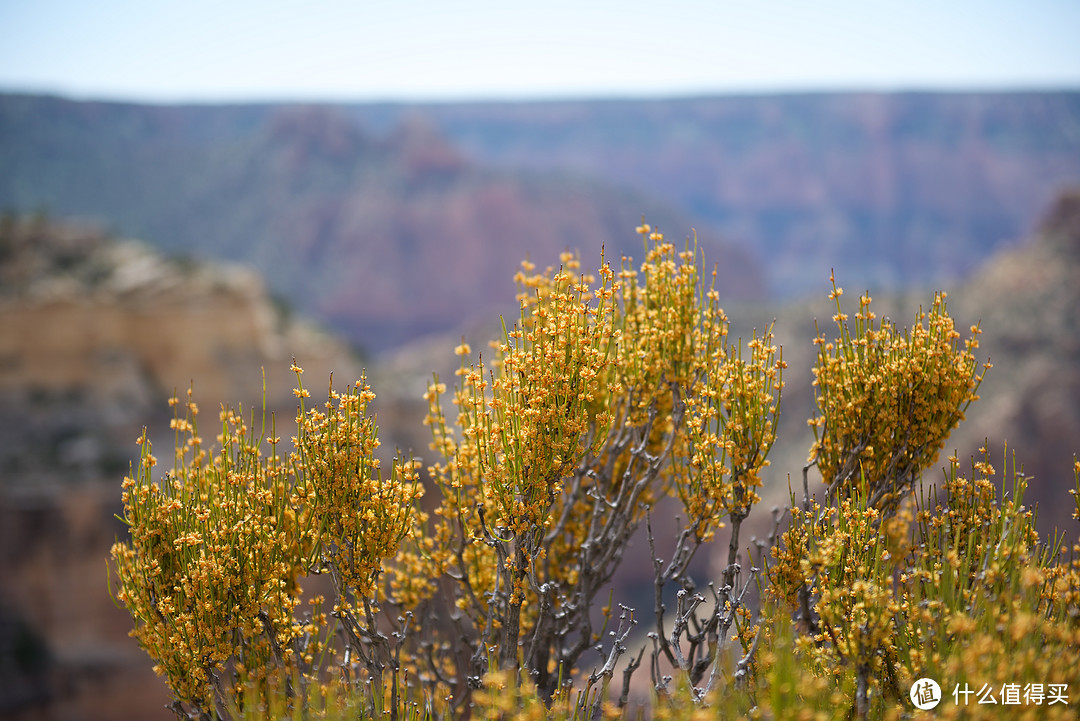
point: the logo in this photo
(925, 694)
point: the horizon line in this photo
(546, 98)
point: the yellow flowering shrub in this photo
(887, 399)
(218, 546)
(609, 391)
(956, 587)
(210, 572)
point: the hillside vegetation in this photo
(267, 581)
(76, 430)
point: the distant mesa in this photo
(391, 221)
(1061, 223)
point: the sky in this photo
(453, 50)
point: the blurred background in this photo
(192, 193)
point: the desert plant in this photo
(610, 392)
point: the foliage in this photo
(887, 399)
(611, 392)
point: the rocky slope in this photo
(95, 334)
(1027, 300)
(382, 235)
(890, 189)
(390, 221)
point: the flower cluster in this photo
(887, 399)
(730, 431)
(210, 572)
(218, 546)
(363, 517)
(957, 584)
(525, 423)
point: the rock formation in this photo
(95, 335)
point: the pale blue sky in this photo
(212, 50)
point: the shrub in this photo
(610, 392)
